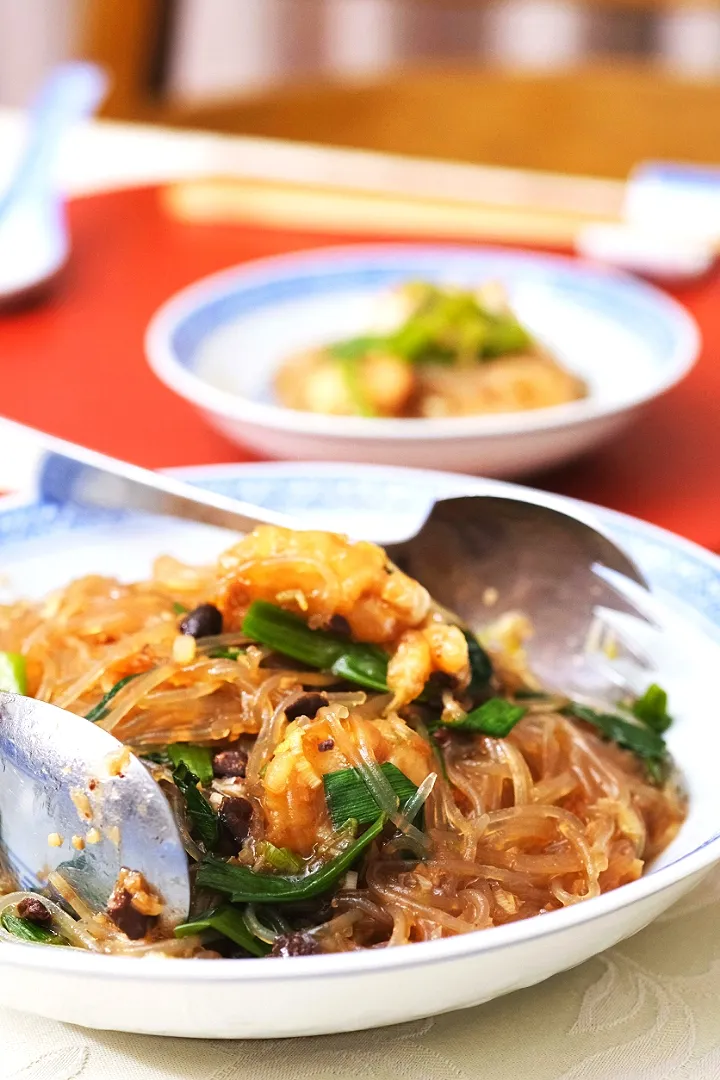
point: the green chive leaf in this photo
(286, 633)
(25, 930)
(480, 666)
(100, 711)
(13, 673)
(244, 885)
(230, 653)
(496, 717)
(651, 708)
(283, 631)
(280, 858)
(225, 920)
(348, 796)
(202, 816)
(365, 665)
(505, 335)
(642, 741)
(197, 758)
(354, 385)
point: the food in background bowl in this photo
(435, 351)
(349, 769)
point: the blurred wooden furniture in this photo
(598, 119)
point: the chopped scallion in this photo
(364, 665)
(496, 717)
(354, 386)
(480, 666)
(197, 758)
(348, 796)
(25, 930)
(641, 740)
(228, 921)
(651, 708)
(202, 816)
(100, 711)
(230, 653)
(283, 631)
(244, 885)
(280, 858)
(13, 673)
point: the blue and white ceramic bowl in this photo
(219, 342)
(43, 545)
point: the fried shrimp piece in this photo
(293, 797)
(321, 575)
(419, 653)
(318, 575)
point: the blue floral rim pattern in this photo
(234, 295)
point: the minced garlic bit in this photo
(142, 897)
(118, 761)
(184, 649)
(490, 596)
(505, 899)
(78, 843)
(297, 596)
(81, 804)
(94, 836)
(113, 834)
(55, 840)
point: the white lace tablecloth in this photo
(646, 1010)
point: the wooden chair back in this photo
(597, 118)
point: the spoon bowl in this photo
(73, 799)
(484, 556)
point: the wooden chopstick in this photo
(338, 210)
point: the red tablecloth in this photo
(75, 366)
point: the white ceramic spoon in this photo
(34, 240)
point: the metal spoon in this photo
(535, 558)
(484, 556)
(72, 799)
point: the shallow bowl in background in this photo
(219, 342)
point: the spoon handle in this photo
(71, 93)
(63, 472)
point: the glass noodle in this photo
(494, 830)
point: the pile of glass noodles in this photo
(347, 768)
